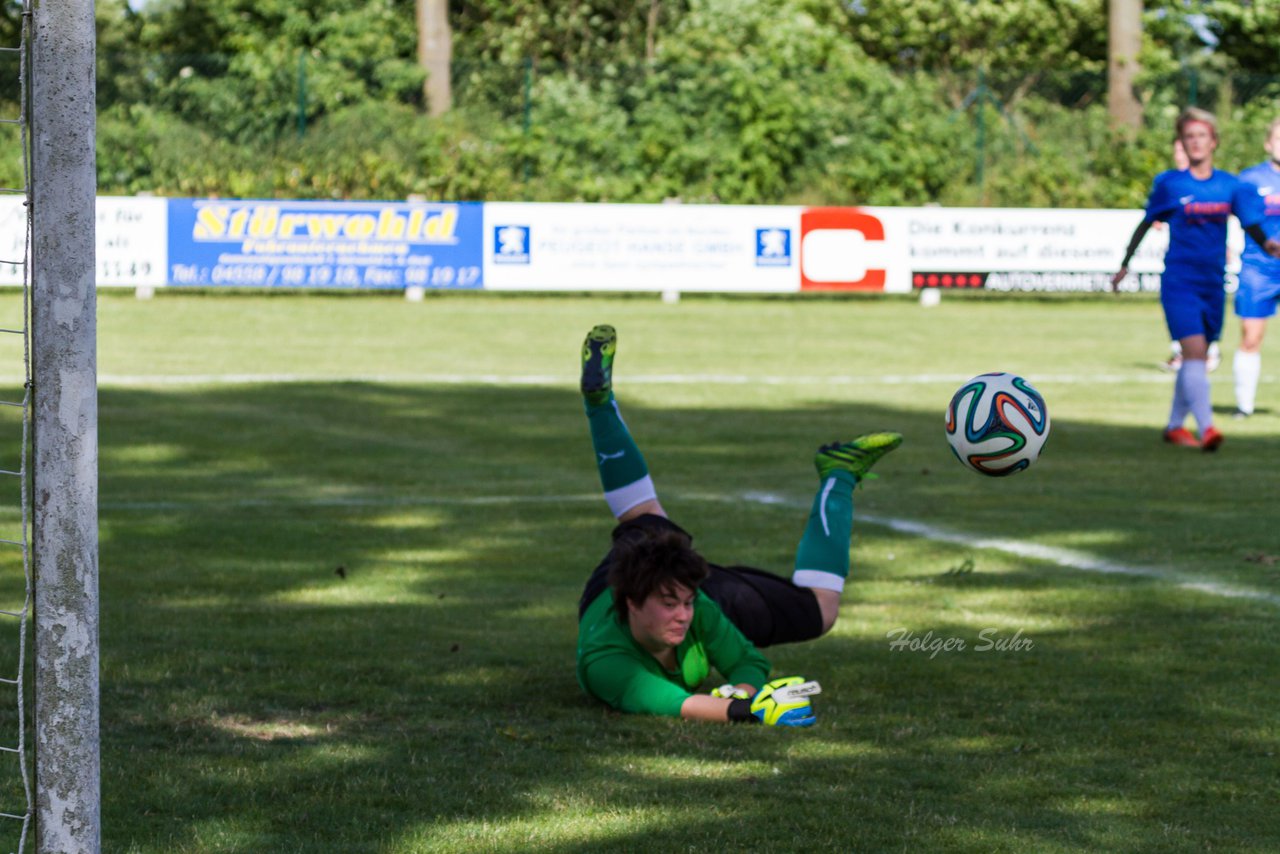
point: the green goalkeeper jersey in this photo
(614, 668)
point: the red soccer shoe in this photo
(1182, 436)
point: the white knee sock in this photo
(1246, 368)
(1193, 376)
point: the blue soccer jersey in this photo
(1197, 212)
(1264, 180)
(1191, 287)
(1260, 273)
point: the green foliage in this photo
(581, 144)
(243, 66)
(140, 149)
(742, 104)
(585, 34)
(889, 141)
(10, 22)
(365, 151)
(968, 102)
(738, 100)
(12, 172)
(1249, 31)
(1021, 39)
(390, 152)
(1053, 156)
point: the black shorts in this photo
(767, 608)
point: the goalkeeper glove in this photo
(785, 702)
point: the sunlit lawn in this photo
(342, 541)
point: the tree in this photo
(435, 53)
(1123, 47)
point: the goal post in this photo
(64, 423)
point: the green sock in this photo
(822, 559)
(624, 475)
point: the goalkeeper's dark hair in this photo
(648, 562)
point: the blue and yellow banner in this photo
(301, 244)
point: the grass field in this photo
(342, 541)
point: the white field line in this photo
(561, 380)
(1064, 558)
(1071, 559)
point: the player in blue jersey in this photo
(1196, 203)
(1181, 163)
(1259, 277)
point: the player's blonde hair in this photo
(1195, 114)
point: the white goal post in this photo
(64, 423)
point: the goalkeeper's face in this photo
(662, 620)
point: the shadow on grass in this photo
(341, 618)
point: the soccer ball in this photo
(997, 424)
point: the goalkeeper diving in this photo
(656, 619)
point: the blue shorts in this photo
(1193, 306)
(1258, 293)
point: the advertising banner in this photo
(676, 247)
(132, 236)
(129, 240)
(850, 249)
(412, 246)
(300, 244)
(727, 248)
(1001, 249)
(1011, 249)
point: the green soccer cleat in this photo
(856, 457)
(597, 364)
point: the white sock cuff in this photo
(624, 498)
(1248, 360)
(1246, 370)
(819, 579)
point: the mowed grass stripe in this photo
(1061, 558)
(161, 380)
